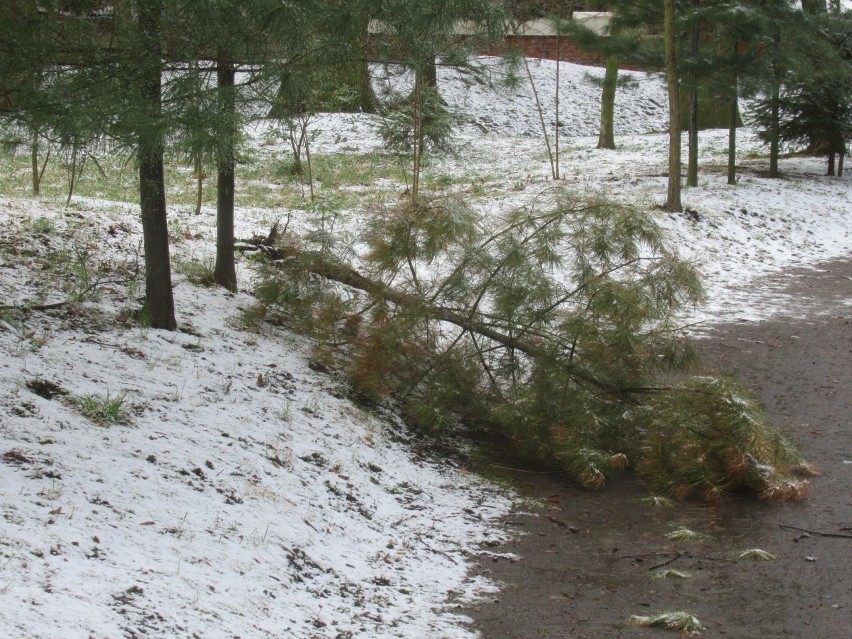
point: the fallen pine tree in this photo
(552, 327)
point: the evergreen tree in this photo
(811, 102)
(258, 38)
(415, 34)
(615, 45)
(101, 75)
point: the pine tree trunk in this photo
(732, 128)
(673, 202)
(199, 183)
(224, 273)
(418, 136)
(367, 100)
(34, 162)
(692, 162)
(774, 133)
(556, 106)
(606, 137)
(159, 300)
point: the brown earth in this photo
(585, 559)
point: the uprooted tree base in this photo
(551, 327)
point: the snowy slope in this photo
(245, 496)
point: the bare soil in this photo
(586, 559)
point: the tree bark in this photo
(367, 100)
(692, 162)
(224, 273)
(159, 300)
(606, 137)
(35, 164)
(673, 202)
(732, 125)
(774, 129)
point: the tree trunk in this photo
(367, 100)
(199, 183)
(159, 300)
(774, 129)
(692, 162)
(606, 137)
(814, 6)
(420, 78)
(224, 273)
(673, 202)
(556, 106)
(732, 126)
(34, 162)
(540, 111)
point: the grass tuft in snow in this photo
(105, 410)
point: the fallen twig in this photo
(675, 556)
(531, 472)
(435, 550)
(815, 532)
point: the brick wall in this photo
(545, 47)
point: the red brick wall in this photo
(545, 47)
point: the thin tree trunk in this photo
(673, 202)
(692, 162)
(830, 170)
(558, 65)
(35, 163)
(775, 115)
(224, 273)
(541, 119)
(199, 183)
(308, 156)
(774, 130)
(159, 300)
(417, 134)
(606, 137)
(74, 173)
(732, 126)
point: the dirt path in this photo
(586, 558)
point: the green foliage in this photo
(106, 410)
(198, 272)
(713, 440)
(399, 131)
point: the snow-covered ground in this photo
(245, 496)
